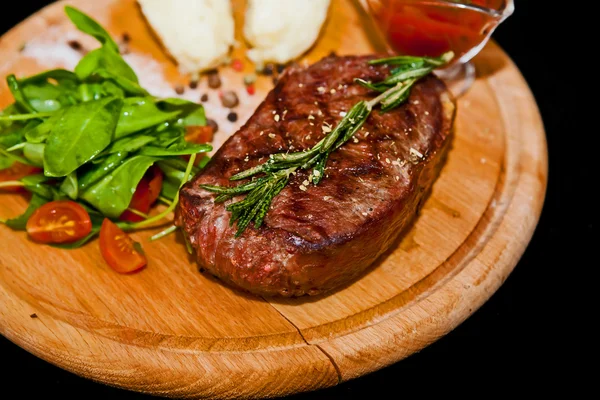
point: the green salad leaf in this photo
(112, 194)
(82, 132)
(19, 223)
(95, 132)
(88, 25)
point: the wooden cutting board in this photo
(173, 331)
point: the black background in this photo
(521, 339)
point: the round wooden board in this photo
(173, 331)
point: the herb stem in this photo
(163, 233)
(11, 184)
(138, 213)
(23, 117)
(372, 103)
(17, 147)
(164, 200)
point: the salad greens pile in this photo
(94, 133)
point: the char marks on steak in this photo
(315, 239)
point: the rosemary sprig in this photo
(394, 90)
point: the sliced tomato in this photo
(119, 250)
(15, 172)
(61, 221)
(155, 183)
(140, 202)
(199, 134)
(145, 195)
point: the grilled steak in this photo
(316, 238)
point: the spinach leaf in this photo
(38, 133)
(14, 157)
(194, 118)
(34, 152)
(203, 161)
(129, 144)
(170, 137)
(169, 189)
(5, 162)
(129, 86)
(45, 95)
(112, 194)
(90, 91)
(19, 223)
(88, 25)
(192, 113)
(42, 96)
(59, 75)
(20, 99)
(178, 164)
(34, 179)
(10, 139)
(176, 150)
(109, 88)
(173, 174)
(170, 172)
(104, 59)
(140, 113)
(38, 184)
(69, 186)
(81, 133)
(94, 172)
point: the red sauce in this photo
(430, 28)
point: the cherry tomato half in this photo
(119, 250)
(61, 221)
(199, 134)
(155, 183)
(15, 172)
(145, 195)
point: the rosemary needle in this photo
(394, 90)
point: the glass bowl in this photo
(432, 27)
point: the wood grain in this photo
(173, 331)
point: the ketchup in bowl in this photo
(432, 27)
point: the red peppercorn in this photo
(251, 89)
(237, 65)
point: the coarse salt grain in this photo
(321, 89)
(416, 153)
(343, 113)
(272, 135)
(276, 117)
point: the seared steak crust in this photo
(317, 239)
